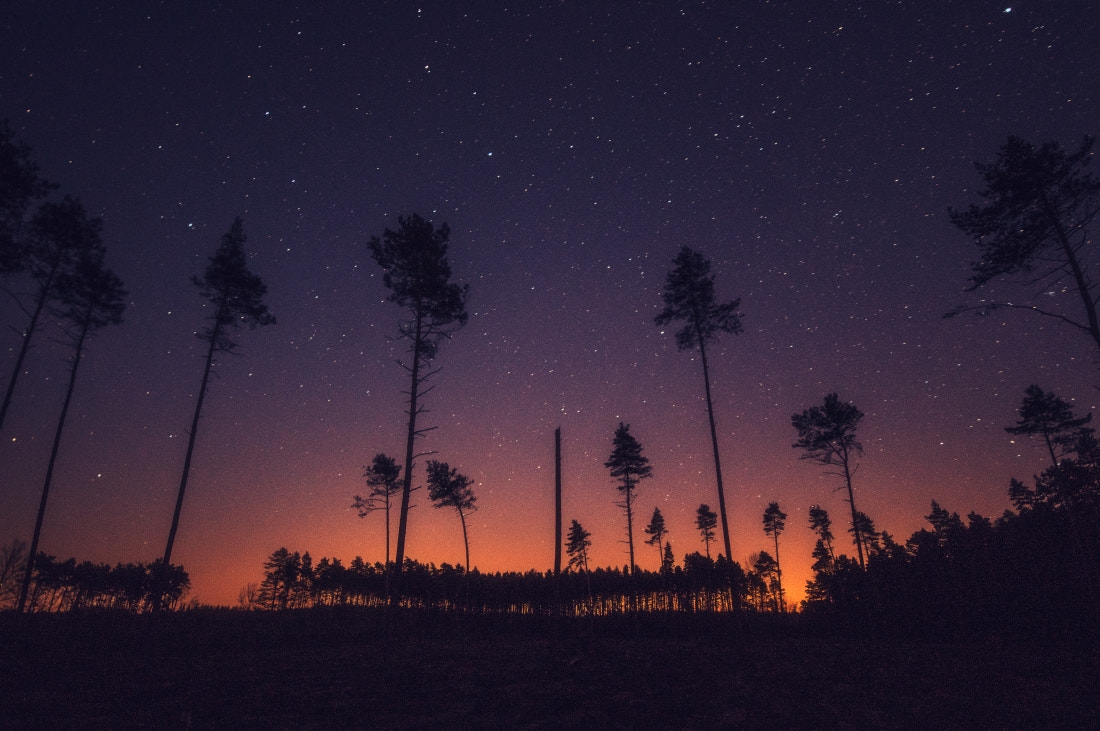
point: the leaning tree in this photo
(629, 466)
(1038, 202)
(90, 297)
(57, 236)
(447, 488)
(689, 297)
(417, 273)
(236, 296)
(827, 435)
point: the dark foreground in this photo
(359, 669)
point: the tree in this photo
(60, 234)
(864, 533)
(576, 547)
(775, 520)
(706, 520)
(1038, 203)
(689, 297)
(20, 187)
(236, 295)
(90, 297)
(628, 466)
(13, 557)
(822, 525)
(1046, 415)
(827, 435)
(668, 560)
(766, 571)
(415, 270)
(656, 530)
(449, 489)
(383, 479)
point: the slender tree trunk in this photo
(717, 459)
(630, 526)
(29, 571)
(557, 501)
(43, 295)
(465, 538)
(779, 574)
(190, 447)
(406, 488)
(852, 504)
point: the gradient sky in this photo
(809, 149)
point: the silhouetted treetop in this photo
(236, 293)
(20, 186)
(1038, 203)
(689, 297)
(417, 273)
(1045, 414)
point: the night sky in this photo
(809, 149)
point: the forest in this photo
(1032, 569)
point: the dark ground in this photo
(360, 669)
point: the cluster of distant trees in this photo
(60, 586)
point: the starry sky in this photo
(809, 149)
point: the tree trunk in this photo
(190, 447)
(717, 459)
(557, 501)
(29, 571)
(852, 504)
(406, 488)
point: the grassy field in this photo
(360, 669)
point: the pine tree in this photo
(415, 270)
(656, 530)
(827, 435)
(706, 520)
(775, 520)
(236, 296)
(689, 297)
(90, 297)
(628, 466)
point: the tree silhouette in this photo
(1038, 202)
(383, 478)
(628, 466)
(706, 520)
(656, 530)
(576, 549)
(415, 270)
(59, 235)
(90, 297)
(449, 489)
(1046, 415)
(775, 520)
(822, 525)
(20, 187)
(577, 545)
(827, 435)
(689, 297)
(236, 295)
(13, 557)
